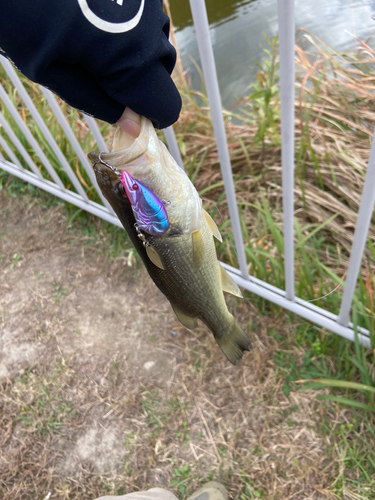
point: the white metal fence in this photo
(28, 171)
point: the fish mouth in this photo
(114, 163)
(106, 175)
(100, 165)
(121, 158)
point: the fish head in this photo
(108, 179)
(149, 162)
(105, 174)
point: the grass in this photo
(59, 291)
(334, 118)
(335, 114)
(159, 411)
(202, 420)
(42, 408)
(181, 479)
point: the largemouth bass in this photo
(163, 215)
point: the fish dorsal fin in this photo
(198, 248)
(154, 257)
(183, 318)
(227, 284)
(212, 225)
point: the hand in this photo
(90, 60)
(130, 122)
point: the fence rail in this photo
(10, 143)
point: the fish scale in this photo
(185, 290)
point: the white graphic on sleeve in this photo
(106, 25)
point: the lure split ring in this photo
(141, 236)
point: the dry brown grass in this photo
(80, 415)
(335, 116)
(335, 112)
(83, 421)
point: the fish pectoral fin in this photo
(227, 284)
(212, 225)
(154, 257)
(183, 318)
(198, 248)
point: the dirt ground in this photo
(104, 392)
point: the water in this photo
(237, 29)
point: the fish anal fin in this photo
(183, 318)
(227, 284)
(212, 225)
(154, 257)
(198, 248)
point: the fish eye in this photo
(122, 190)
(135, 187)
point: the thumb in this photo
(130, 124)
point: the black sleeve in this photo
(100, 56)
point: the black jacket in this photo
(98, 55)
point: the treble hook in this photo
(114, 169)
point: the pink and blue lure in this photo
(149, 212)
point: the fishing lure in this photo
(149, 212)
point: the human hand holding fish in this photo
(162, 213)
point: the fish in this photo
(162, 213)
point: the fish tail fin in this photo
(234, 343)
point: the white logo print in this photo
(106, 25)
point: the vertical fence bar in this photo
(17, 143)
(199, 12)
(64, 194)
(30, 138)
(363, 223)
(9, 152)
(42, 126)
(74, 142)
(285, 12)
(338, 324)
(172, 145)
(91, 122)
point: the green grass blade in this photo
(344, 384)
(316, 230)
(346, 402)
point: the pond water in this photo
(237, 29)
